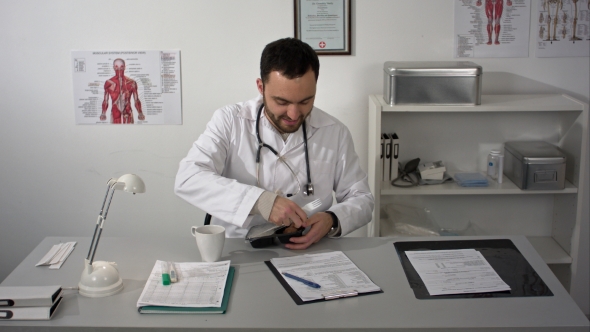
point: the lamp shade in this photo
(131, 183)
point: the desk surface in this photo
(258, 301)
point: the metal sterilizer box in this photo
(535, 165)
(432, 82)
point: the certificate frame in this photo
(324, 25)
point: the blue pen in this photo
(307, 282)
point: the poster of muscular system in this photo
(492, 28)
(127, 87)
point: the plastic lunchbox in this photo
(265, 235)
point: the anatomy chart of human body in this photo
(563, 28)
(127, 87)
(492, 28)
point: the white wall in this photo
(54, 173)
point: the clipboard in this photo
(299, 301)
(501, 254)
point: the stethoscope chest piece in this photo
(308, 189)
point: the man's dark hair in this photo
(289, 56)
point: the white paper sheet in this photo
(57, 255)
(333, 271)
(455, 272)
(199, 285)
(62, 259)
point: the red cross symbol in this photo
(322, 44)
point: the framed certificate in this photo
(324, 25)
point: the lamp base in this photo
(100, 279)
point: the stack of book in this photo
(29, 302)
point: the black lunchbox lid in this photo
(264, 235)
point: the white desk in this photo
(259, 302)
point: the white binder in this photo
(386, 155)
(393, 167)
(29, 313)
(29, 296)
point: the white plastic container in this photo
(495, 165)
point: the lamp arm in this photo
(95, 246)
(108, 205)
(100, 222)
(94, 235)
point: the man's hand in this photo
(320, 223)
(103, 117)
(140, 116)
(287, 212)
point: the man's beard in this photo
(276, 121)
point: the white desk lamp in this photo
(101, 278)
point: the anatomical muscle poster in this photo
(492, 28)
(127, 87)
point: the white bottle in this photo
(495, 165)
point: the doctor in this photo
(262, 160)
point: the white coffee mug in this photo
(210, 240)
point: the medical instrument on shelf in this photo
(407, 174)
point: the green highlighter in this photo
(165, 273)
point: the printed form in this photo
(333, 271)
(456, 272)
(199, 285)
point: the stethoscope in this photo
(309, 187)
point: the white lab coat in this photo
(219, 173)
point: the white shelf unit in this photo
(461, 137)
